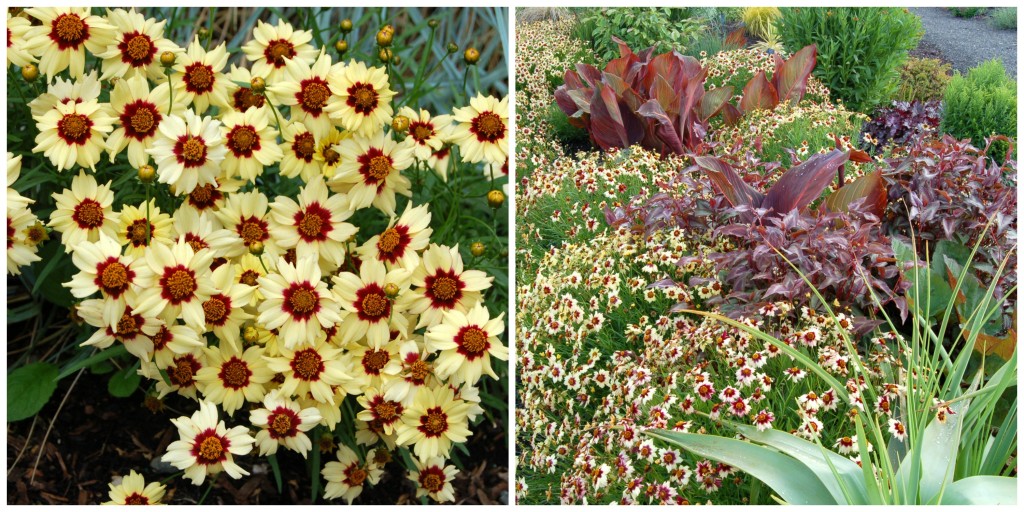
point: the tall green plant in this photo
(980, 105)
(860, 49)
(641, 27)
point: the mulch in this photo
(97, 436)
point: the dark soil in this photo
(97, 436)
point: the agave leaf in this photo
(713, 102)
(788, 477)
(840, 475)
(729, 183)
(611, 125)
(802, 184)
(663, 127)
(790, 78)
(981, 490)
(870, 187)
(759, 93)
(929, 466)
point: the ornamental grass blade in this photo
(788, 477)
(790, 78)
(840, 475)
(802, 184)
(981, 490)
(729, 182)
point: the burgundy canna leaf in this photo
(729, 183)
(759, 93)
(664, 130)
(713, 102)
(802, 184)
(871, 188)
(790, 78)
(613, 126)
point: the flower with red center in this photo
(136, 47)
(72, 134)
(225, 310)
(433, 478)
(379, 365)
(283, 422)
(21, 249)
(298, 304)
(299, 148)
(272, 46)
(346, 477)
(361, 99)
(251, 141)
(400, 244)
(305, 88)
(133, 490)
(378, 408)
(312, 369)
(440, 283)
(61, 91)
(439, 160)
(188, 152)
(231, 378)
(429, 134)
(371, 311)
(207, 446)
(244, 216)
(181, 374)
(170, 342)
(417, 371)
(131, 329)
(142, 226)
(84, 212)
(466, 342)
(482, 130)
(103, 269)
(199, 77)
(435, 420)
(763, 420)
(373, 167)
(63, 36)
(315, 226)
(174, 282)
(139, 111)
(18, 27)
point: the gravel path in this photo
(967, 42)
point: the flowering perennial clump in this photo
(276, 271)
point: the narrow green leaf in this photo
(272, 459)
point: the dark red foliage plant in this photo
(902, 123)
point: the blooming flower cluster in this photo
(269, 309)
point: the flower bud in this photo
(147, 173)
(477, 249)
(167, 59)
(385, 36)
(258, 85)
(256, 248)
(346, 26)
(251, 334)
(30, 73)
(391, 290)
(433, 23)
(452, 47)
(341, 46)
(385, 54)
(400, 124)
(471, 56)
(495, 198)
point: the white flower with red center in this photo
(417, 372)
(441, 283)
(251, 141)
(329, 159)
(211, 196)
(897, 429)
(83, 212)
(400, 244)
(763, 420)
(428, 134)
(206, 446)
(312, 369)
(139, 111)
(249, 269)
(433, 478)
(378, 365)
(63, 36)
(283, 422)
(373, 167)
(231, 377)
(131, 329)
(439, 161)
(434, 421)
(305, 88)
(133, 490)
(18, 27)
(272, 46)
(103, 269)
(21, 248)
(199, 76)
(315, 226)
(361, 100)
(244, 215)
(81, 90)
(225, 309)
(467, 342)
(72, 134)
(136, 48)
(243, 98)
(482, 130)
(188, 152)
(175, 281)
(379, 409)
(137, 236)
(202, 230)
(171, 341)
(181, 374)
(298, 304)
(299, 152)
(346, 477)
(372, 311)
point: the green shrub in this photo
(923, 79)
(1004, 18)
(640, 27)
(860, 49)
(981, 104)
(967, 12)
(563, 131)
